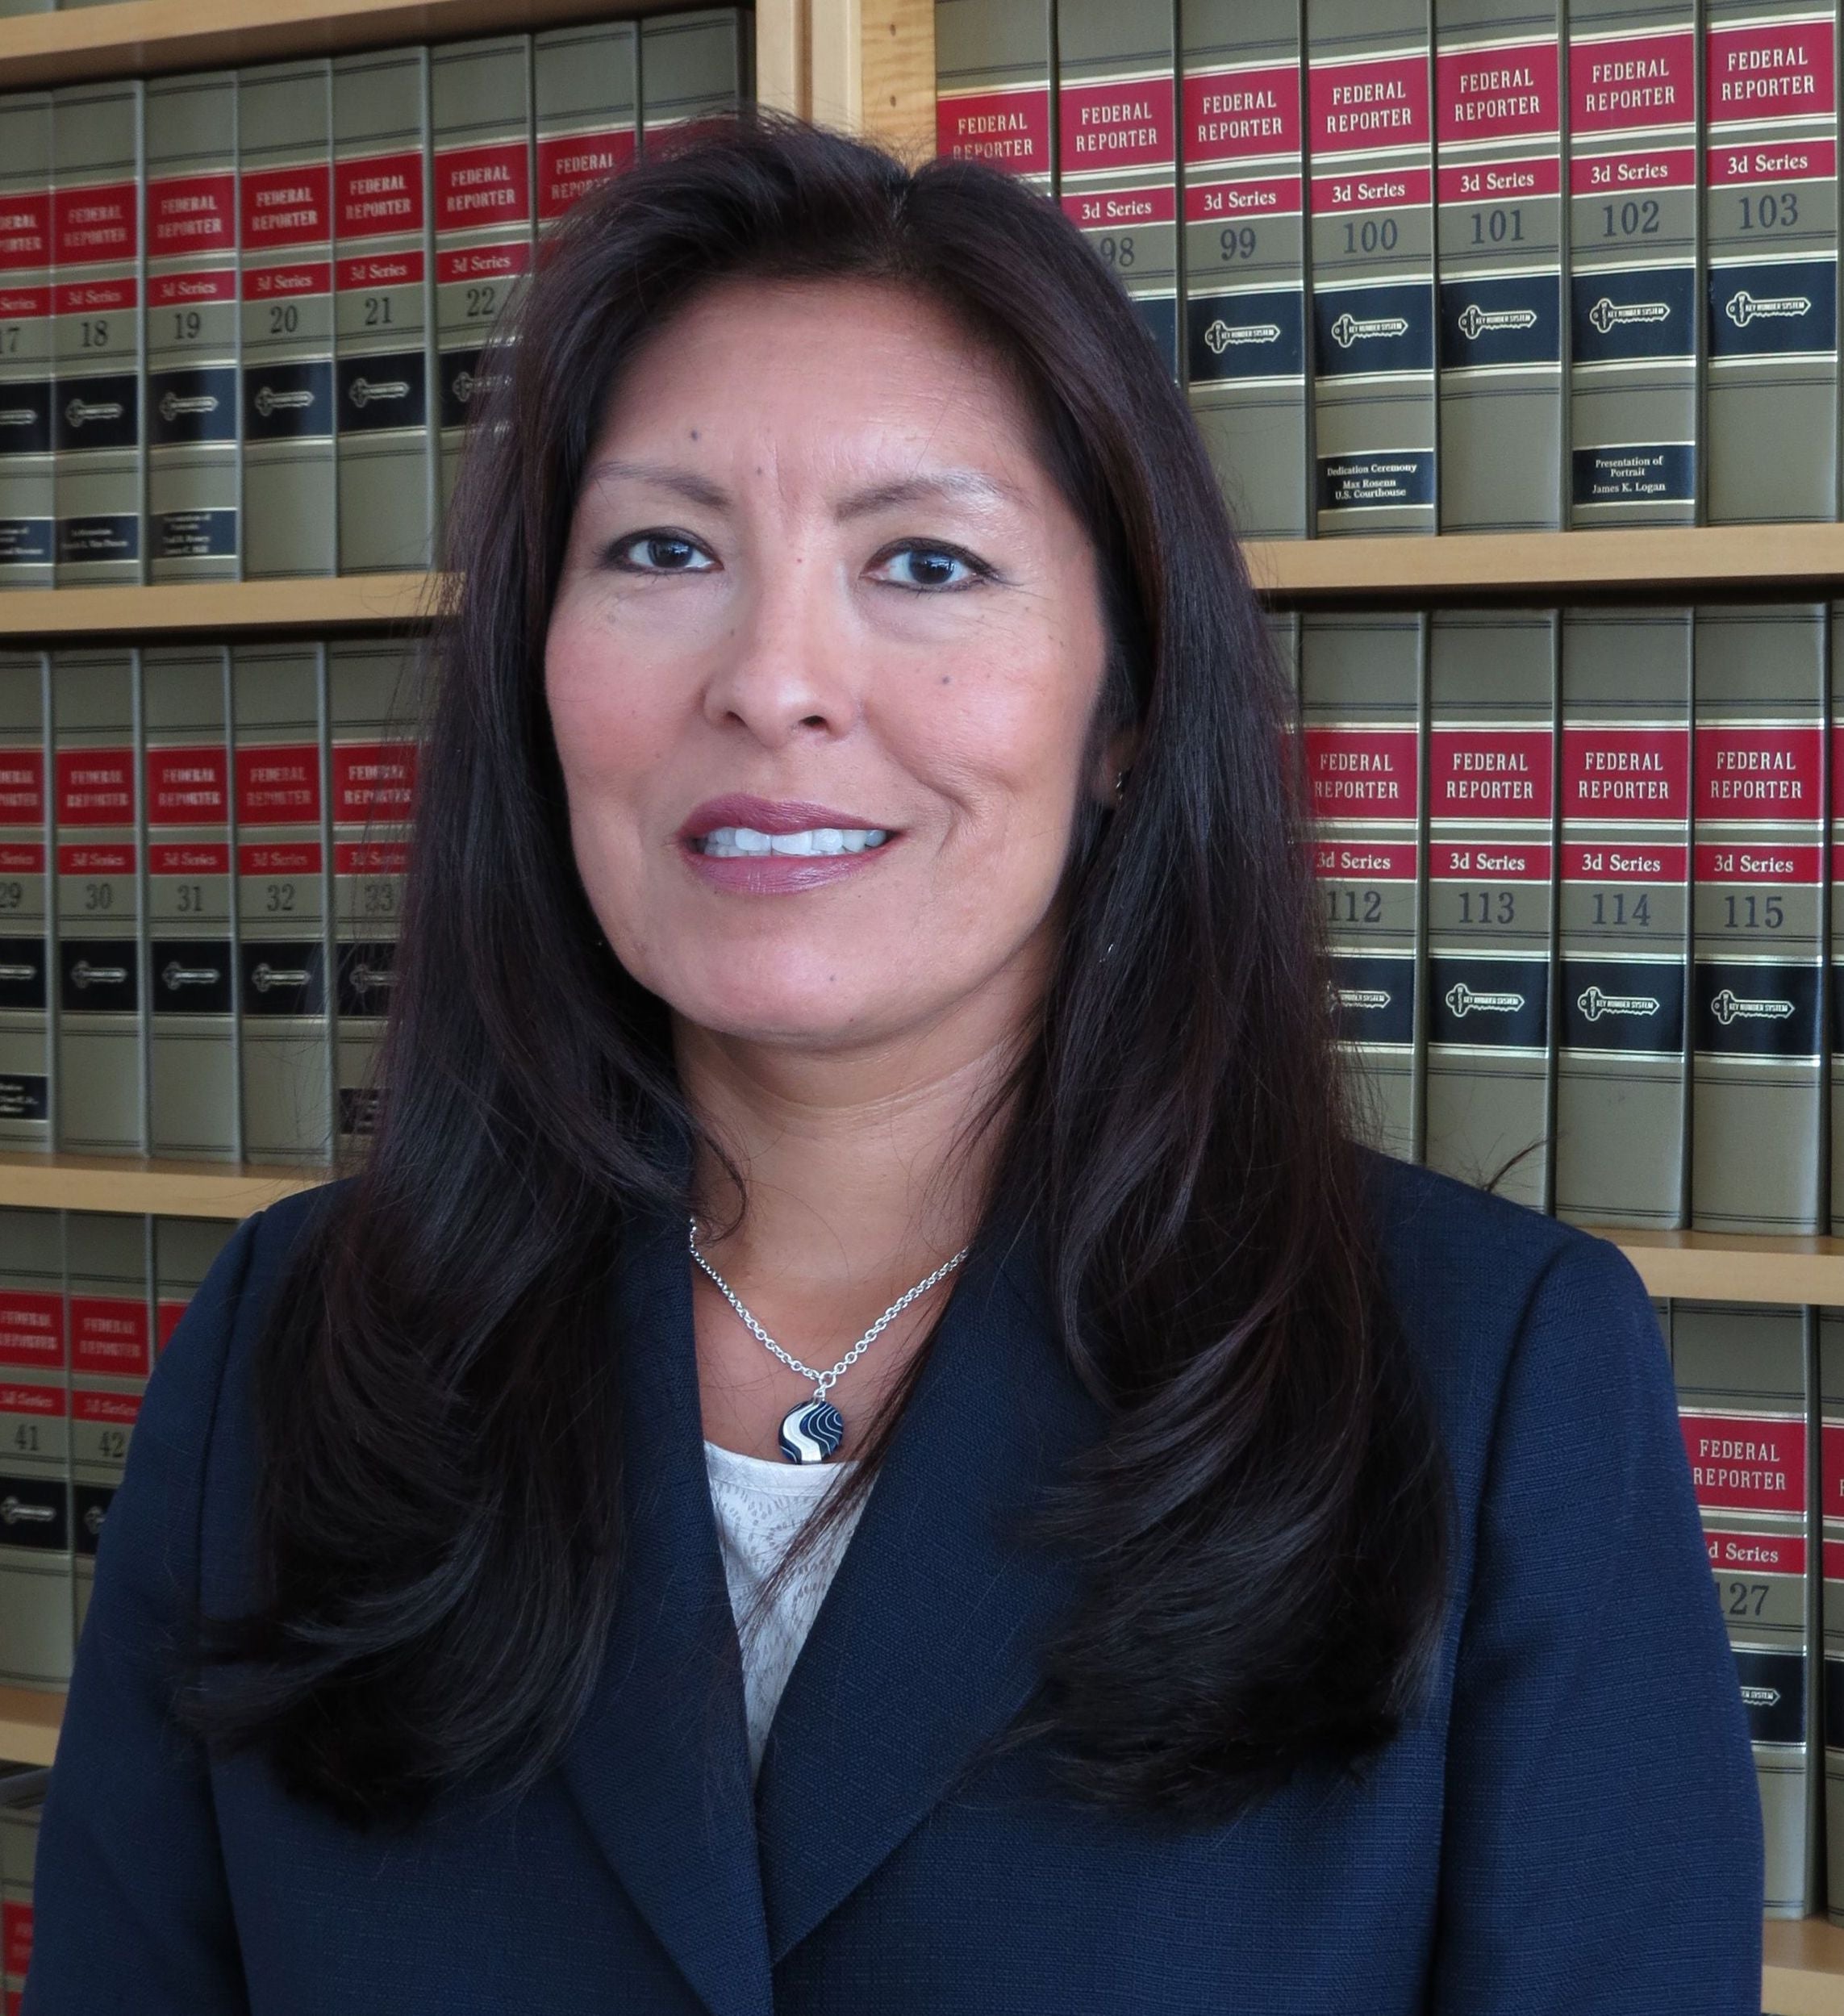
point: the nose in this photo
(785, 671)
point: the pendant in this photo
(811, 1431)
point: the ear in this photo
(1117, 755)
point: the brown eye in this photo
(660, 553)
(924, 568)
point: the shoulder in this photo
(1502, 1306)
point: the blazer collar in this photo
(924, 1645)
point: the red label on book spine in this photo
(90, 226)
(570, 167)
(95, 860)
(32, 1327)
(372, 780)
(188, 786)
(278, 786)
(380, 195)
(483, 262)
(25, 304)
(287, 206)
(1009, 130)
(46, 1402)
(16, 1920)
(1110, 209)
(1620, 82)
(22, 787)
(1511, 89)
(300, 858)
(109, 1333)
(25, 230)
(191, 213)
(1747, 1463)
(1600, 862)
(1503, 862)
(479, 188)
(1757, 861)
(1377, 188)
(1374, 102)
(1774, 162)
(1633, 172)
(181, 289)
(1362, 772)
(121, 1409)
(1255, 196)
(1625, 773)
(1128, 122)
(96, 786)
(266, 283)
(1489, 773)
(1745, 773)
(371, 857)
(386, 270)
(1242, 114)
(1365, 860)
(193, 857)
(1755, 1553)
(1778, 70)
(85, 297)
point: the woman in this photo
(861, 1045)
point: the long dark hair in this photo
(1266, 1526)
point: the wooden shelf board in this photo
(29, 1723)
(1802, 1971)
(133, 37)
(219, 606)
(1688, 559)
(172, 1189)
(1733, 1266)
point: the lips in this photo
(758, 875)
(768, 815)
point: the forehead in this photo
(821, 373)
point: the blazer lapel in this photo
(925, 1642)
(660, 1765)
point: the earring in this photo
(1119, 786)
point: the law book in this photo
(37, 1634)
(1834, 897)
(28, 500)
(22, 1801)
(1831, 1541)
(99, 463)
(1497, 139)
(1244, 255)
(383, 311)
(191, 960)
(992, 87)
(1117, 145)
(585, 111)
(373, 702)
(1746, 1380)
(99, 1105)
(1771, 237)
(1622, 1059)
(1363, 685)
(25, 938)
(480, 126)
(1757, 890)
(193, 502)
(109, 1311)
(284, 1028)
(182, 1251)
(1492, 899)
(1369, 144)
(695, 68)
(1634, 257)
(284, 175)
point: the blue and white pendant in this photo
(811, 1431)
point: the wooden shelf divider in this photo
(172, 1189)
(29, 1723)
(1802, 1971)
(220, 607)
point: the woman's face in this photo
(821, 668)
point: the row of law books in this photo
(1577, 866)
(22, 1799)
(202, 849)
(88, 1300)
(1451, 264)
(242, 313)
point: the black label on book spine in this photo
(460, 384)
(103, 411)
(26, 417)
(1757, 1011)
(100, 535)
(93, 1502)
(287, 402)
(24, 1095)
(1373, 997)
(1780, 308)
(34, 1512)
(1389, 476)
(193, 535)
(382, 394)
(22, 973)
(1503, 1004)
(1359, 330)
(195, 405)
(366, 970)
(191, 976)
(1773, 1692)
(1634, 1006)
(1647, 313)
(1514, 319)
(1246, 335)
(284, 976)
(1655, 472)
(1834, 1704)
(99, 976)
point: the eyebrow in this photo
(957, 485)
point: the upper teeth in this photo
(727, 842)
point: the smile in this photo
(735, 843)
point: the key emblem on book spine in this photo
(1594, 1004)
(80, 411)
(1350, 329)
(1476, 322)
(1462, 1000)
(1744, 308)
(1607, 314)
(361, 391)
(1220, 335)
(1729, 1007)
(84, 974)
(14, 1511)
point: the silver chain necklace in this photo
(812, 1430)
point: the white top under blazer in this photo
(760, 1504)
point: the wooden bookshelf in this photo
(29, 1724)
(172, 1189)
(222, 608)
(1802, 1970)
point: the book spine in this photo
(480, 95)
(1622, 1065)
(694, 67)
(99, 1108)
(278, 715)
(99, 474)
(1245, 256)
(36, 1636)
(383, 311)
(1491, 904)
(1831, 1541)
(1117, 142)
(194, 507)
(371, 704)
(992, 87)
(1744, 1402)
(1498, 123)
(1771, 237)
(183, 1250)
(191, 966)
(1371, 196)
(1363, 686)
(1834, 920)
(25, 944)
(28, 502)
(19, 1855)
(284, 173)
(1758, 891)
(107, 1270)
(585, 111)
(1634, 262)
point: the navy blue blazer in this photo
(1571, 1826)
